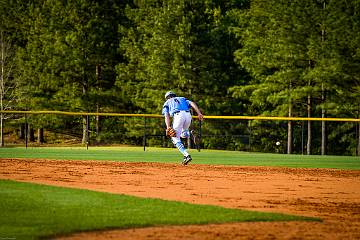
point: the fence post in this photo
(26, 132)
(87, 132)
(199, 143)
(144, 138)
(302, 137)
(250, 134)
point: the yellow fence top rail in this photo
(84, 113)
(206, 117)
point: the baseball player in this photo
(179, 109)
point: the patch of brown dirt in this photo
(333, 195)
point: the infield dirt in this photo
(330, 194)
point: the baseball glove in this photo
(170, 132)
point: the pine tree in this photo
(293, 51)
(67, 42)
(10, 12)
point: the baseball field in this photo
(128, 193)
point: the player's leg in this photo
(178, 123)
(186, 125)
(186, 133)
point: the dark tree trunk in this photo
(85, 130)
(22, 131)
(40, 136)
(290, 133)
(290, 142)
(31, 134)
(323, 123)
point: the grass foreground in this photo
(32, 211)
(171, 155)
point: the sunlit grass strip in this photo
(31, 211)
(171, 155)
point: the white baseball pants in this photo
(181, 124)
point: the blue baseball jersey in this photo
(176, 104)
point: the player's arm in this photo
(169, 130)
(167, 120)
(166, 114)
(197, 110)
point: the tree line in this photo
(298, 58)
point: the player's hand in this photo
(200, 117)
(170, 132)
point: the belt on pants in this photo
(181, 111)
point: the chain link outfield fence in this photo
(337, 136)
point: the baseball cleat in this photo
(186, 160)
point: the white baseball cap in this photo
(169, 93)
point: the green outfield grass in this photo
(171, 155)
(32, 211)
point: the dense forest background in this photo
(297, 58)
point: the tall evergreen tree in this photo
(11, 37)
(289, 49)
(273, 35)
(179, 45)
(67, 43)
(341, 65)
(185, 46)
